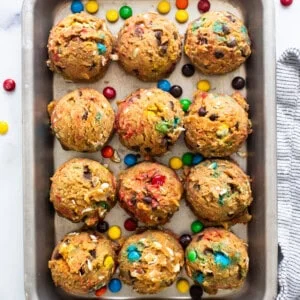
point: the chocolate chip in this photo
(85, 115)
(232, 43)
(219, 54)
(202, 41)
(237, 124)
(208, 251)
(175, 35)
(93, 253)
(225, 29)
(243, 53)
(163, 50)
(147, 199)
(81, 271)
(138, 31)
(92, 66)
(87, 174)
(200, 236)
(136, 148)
(171, 104)
(136, 72)
(231, 18)
(133, 201)
(57, 255)
(197, 186)
(202, 111)
(158, 34)
(147, 149)
(213, 117)
(80, 93)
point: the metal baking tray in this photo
(43, 154)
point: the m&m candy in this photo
(222, 260)
(286, 2)
(3, 127)
(77, 6)
(130, 160)
(197, 159)
(182, 286)
(101, 291)
(125, 12)
(163, 7)
(9, 85)
(114, 232)
(238, 83)
(112, 15)
(102, 226)
(188, 70)
(203, 6)
(115, 285)
(176, 91)
(109, 92)
(175, 163)
(196, 226)
(187, 158)
(181, 16)
(185, 104)
(192, 255)
(185, 240)
(130, 224)
(182, 4)
(92, 6)
(108, 262)
(196, 292)
(164, 85)
(203, 85)
(107, 152)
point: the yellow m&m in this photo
(114, 232)
(203, 85)
(92, 6)
(3, 127)
(182, 286)
(108, 262)
(181, 16)
(175, 163)
(112, 15)
(163, 7)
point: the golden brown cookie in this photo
(217, 42)
(79, 48)
(149, 46)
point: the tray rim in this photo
(269, 49)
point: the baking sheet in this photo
(125, 84)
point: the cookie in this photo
(217, 125)
(150, 261)
(218, 192)
(83, 262)
(149, 46)
(79, 48)
(149, 121)
(217, 42)
(82, 120)
(83, 190)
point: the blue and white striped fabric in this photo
(288, 147)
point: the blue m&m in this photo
(222, 260)
(77, 6)
(130, 160)
(164, 85)
(115, 285)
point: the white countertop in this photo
(11, 202)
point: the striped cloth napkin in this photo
(288, 157)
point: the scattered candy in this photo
(133, 256)
(222, 260)
(286, 2)
(196, 226)
(116, 158)
(163, 7)
(202, 111)
(158, 180)
(101, 291)
(107, 152)
(196, 292)
(203, 6)
(185, 240)
(9, 85)
(112, 15)
(182, 286)
(203, 85)
(3, 127)
(108, 262)
(130, 224)
(185, 104)
(187, 158)
(109, 93)
(238, 83)
(188, 70)
(164, 85)
(101, 48)
(192, 255)
(197, 159)
(114, 232)
(102, 226)
(92, 6)
(77, 6)
(182, 4)
(115, 285)
(176, 91)
(125, 12)
(181, 16)
(130, 160)
(199, 278)
(175, 163)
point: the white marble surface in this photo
(11, 206)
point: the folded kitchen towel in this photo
(288, 163)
